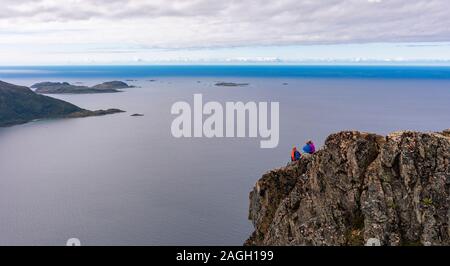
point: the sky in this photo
(66, 32)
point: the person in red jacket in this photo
(295, 154)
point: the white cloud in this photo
(81, 25)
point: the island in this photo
(67, 88)
(112, 85)
(19, 104)
(231, 84)
(137, 114)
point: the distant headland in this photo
(19, 104)
(67, 88)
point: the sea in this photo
(123, 180)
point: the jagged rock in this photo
(359, 186)
(269, 191)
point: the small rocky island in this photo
(231, 84)
(19, 104)
(359, 189)
(67, 88)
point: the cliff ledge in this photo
(359, 186)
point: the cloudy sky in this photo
(208, 31)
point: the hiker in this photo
(295, 154)
(309, 147)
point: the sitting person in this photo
(309, 147)
(295, 154)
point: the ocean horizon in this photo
(260, 71)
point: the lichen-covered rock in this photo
(357, 187)
(269, 191)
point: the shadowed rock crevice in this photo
(358, 186)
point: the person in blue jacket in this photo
(309, 147)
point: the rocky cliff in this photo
(359, 187)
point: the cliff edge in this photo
(359, 187)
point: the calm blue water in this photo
(125, 180)
(385, 72)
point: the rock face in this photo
(19, 105)
(66, 88)
(359, 186)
